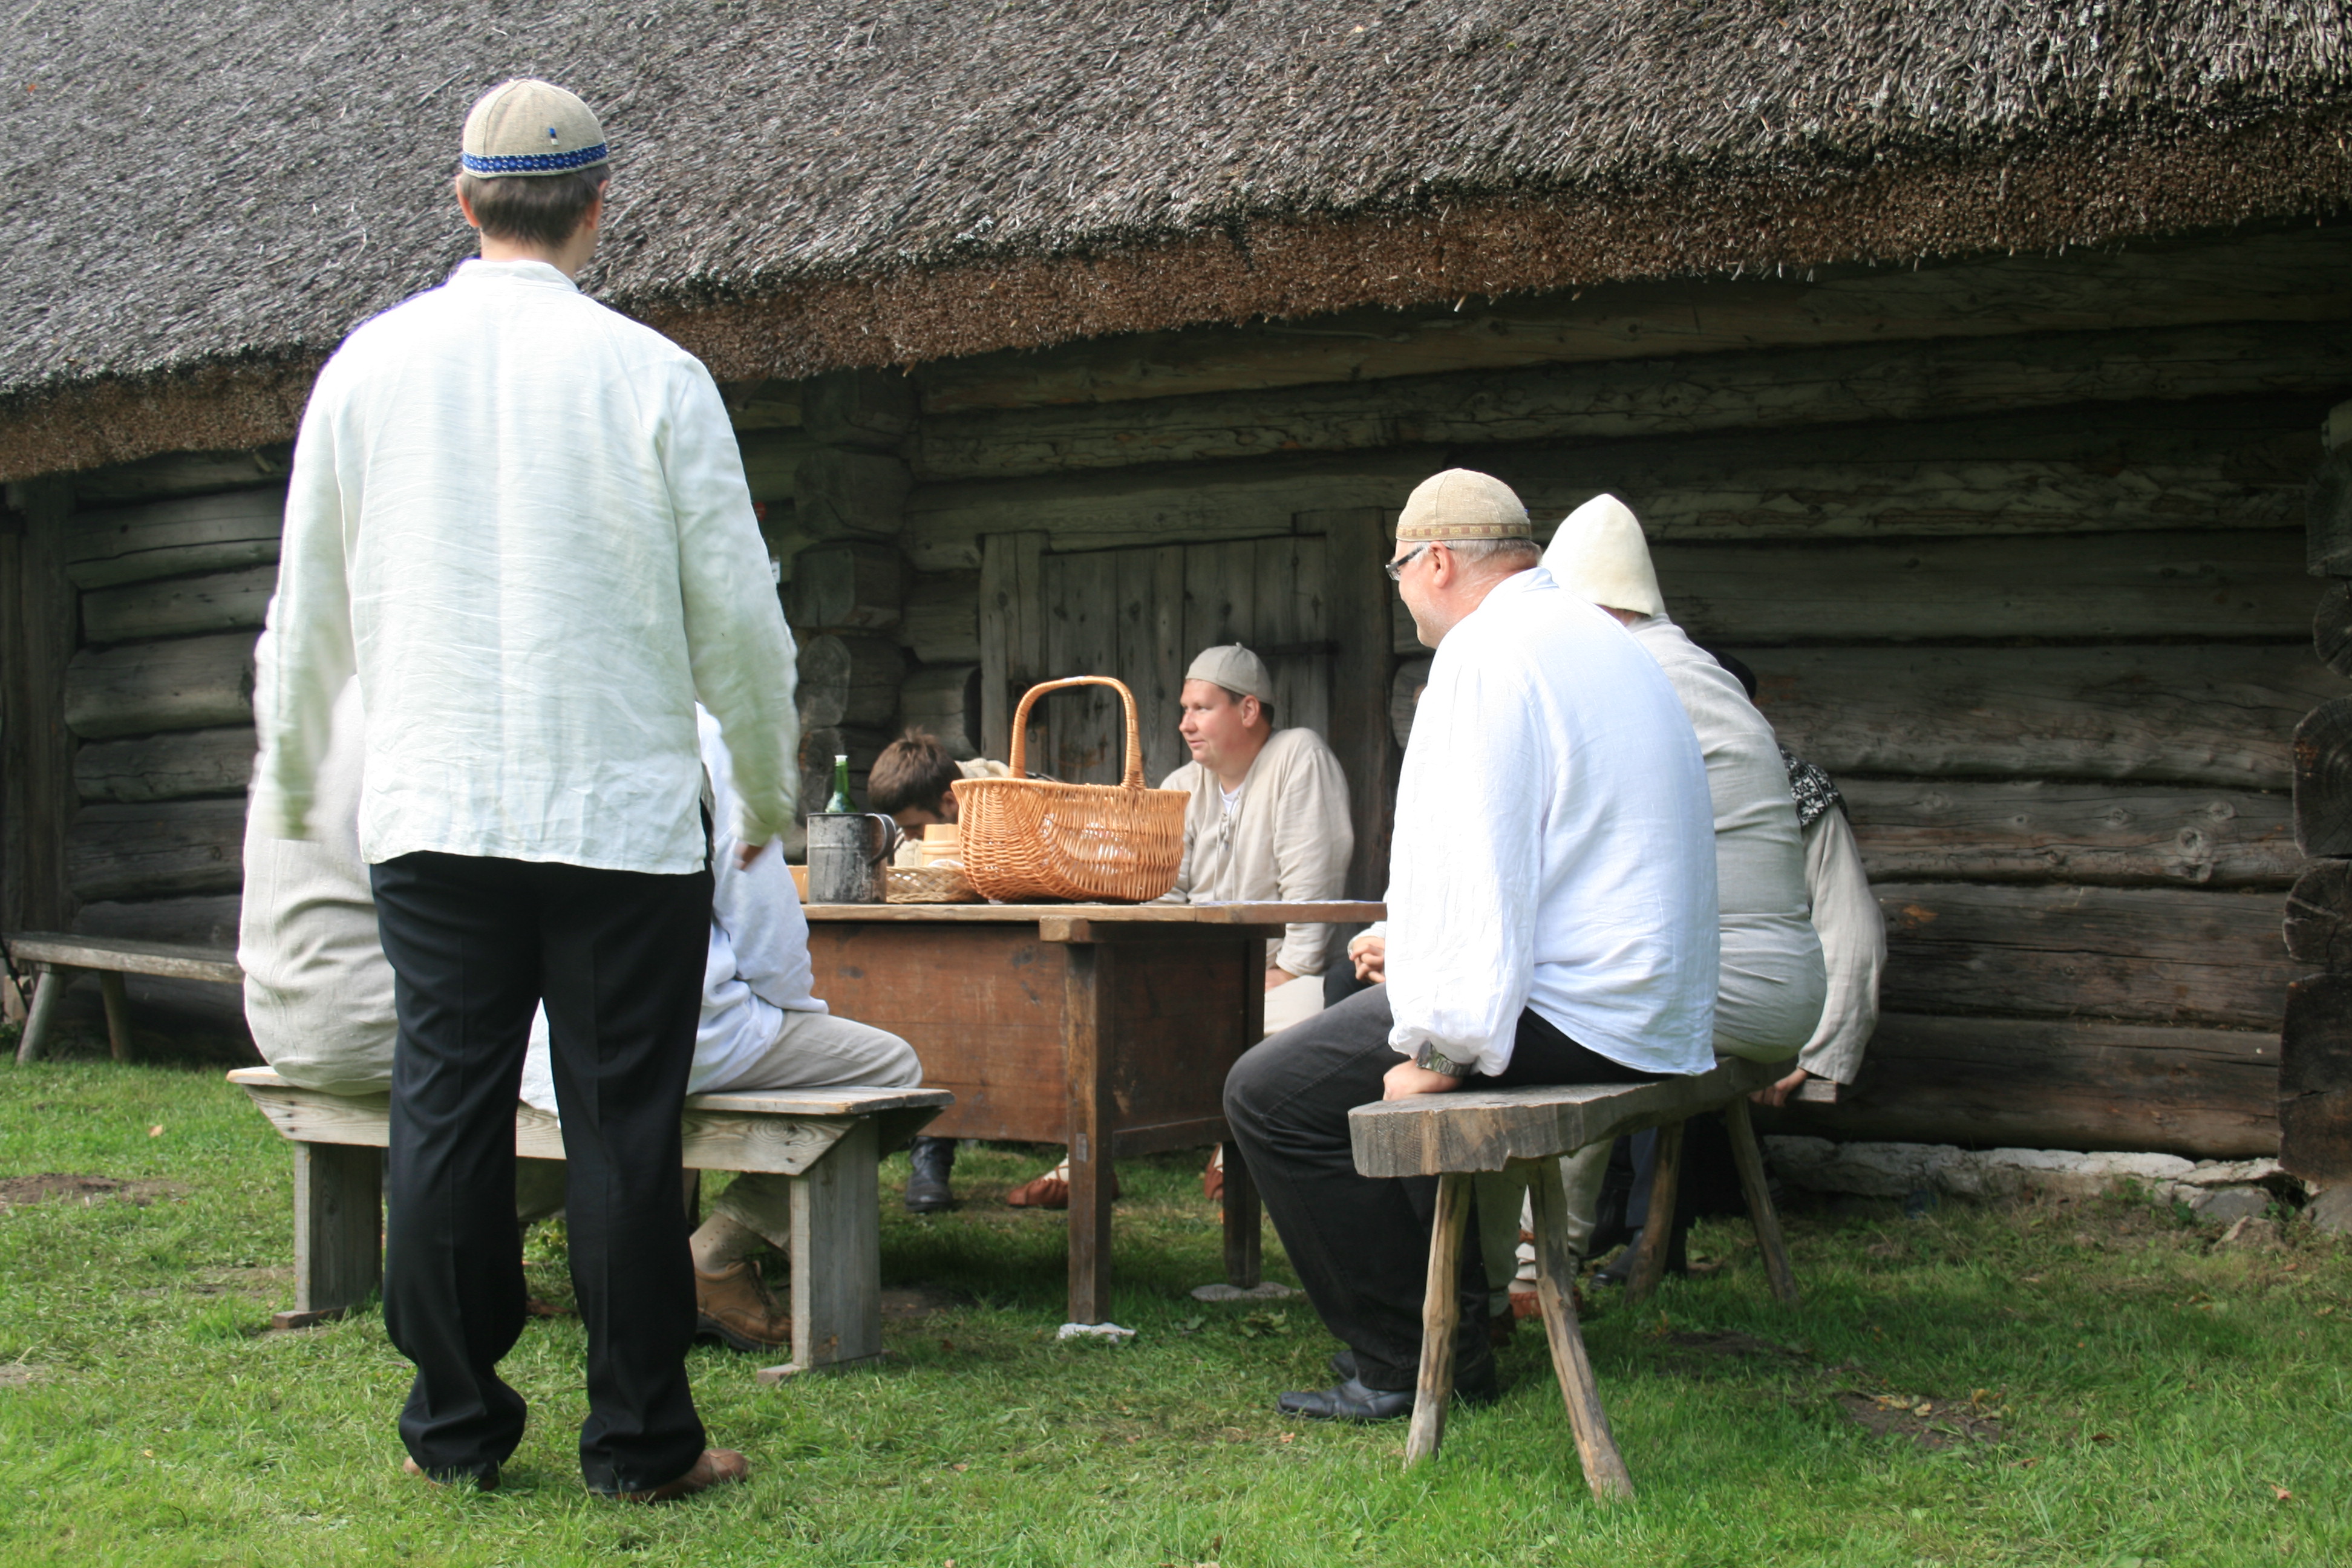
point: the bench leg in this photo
(118, 1014)
(1441, 1314)
(1556, 1262)
(1658, 1230)
(1243, 1235)
(338, 1231)
(46, 995)
(837, 1255)
(1768, 1239)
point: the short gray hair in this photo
(1518, 554)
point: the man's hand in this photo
(1370, 954)
(1410, 1078)
(1778, 1093)
(747, 853)
(1278, 975)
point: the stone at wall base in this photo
(2331, 1211)
(2220, 1190)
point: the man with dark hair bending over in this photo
(1552, 920)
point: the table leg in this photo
(1087, 981)
(338, 1230)
(1243, 1233)
(1441, 1315)
(118, 1014)
(1768, 1239)
(1658, 1229)
(47, 996)
(1555, 1260)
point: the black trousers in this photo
(1360, 1244)
(475, 945)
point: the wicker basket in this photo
(1026, 839)
(932, 885)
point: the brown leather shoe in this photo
(735, 1306)
(1051, 1191)
(488, 1483)
(716, 1467)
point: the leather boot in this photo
(733, 1305)
(933, 1162)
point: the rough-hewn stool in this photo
(828, 1140)
(1452, 1136)
(59, 956)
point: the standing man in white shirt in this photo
(520, 519)
(1552, 903)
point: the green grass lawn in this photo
(2139, 1397)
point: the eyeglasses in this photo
(1395, 568)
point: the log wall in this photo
(2015, 546)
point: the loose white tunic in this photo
(1555, 844)
(1853, 948)
(1288, 839)
(522, 518)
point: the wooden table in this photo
(1107, 1028)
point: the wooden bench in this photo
(59, 957)
(829, 1140)
(1450, 1136)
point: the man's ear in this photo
(1252, 708)
(458, 185)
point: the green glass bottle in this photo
(840, 800)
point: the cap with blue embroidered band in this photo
(530, 127)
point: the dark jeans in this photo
(1360, 1244)
(475, 945)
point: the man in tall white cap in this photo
(1552, 920)
(521, 519)
(1269, 819)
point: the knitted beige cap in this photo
(1598, 554)
(1235, 668)
(530, 127)
(1462, 503)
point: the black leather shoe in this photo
(1350, 1400)
(933, 1160)
(1343, 1364)
(1477, 1390)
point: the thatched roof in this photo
(203, 197)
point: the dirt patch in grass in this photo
(918, 1302)
(1931, 1424)
(16, 1374)
(15, 1191)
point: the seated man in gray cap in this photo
(1552, 920)
(1269, 820)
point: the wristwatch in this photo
(1431, 1060)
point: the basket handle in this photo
(1131, 776)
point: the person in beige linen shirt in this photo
(1267, 820)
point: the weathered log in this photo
(173, 538)
(2040, 1084)
(869, 408)
(2286, 277)
(2322, 779)
(169, 766)
(762, 404)
(2315, 1103)
(846, 586)
(941, 623)
(2126, 468)
(156, 851)
(185, 683)
(2121, 587)
(843, 494)
(2157, 955)
(861, 744)
(181, 474)
(2318, 925)
(2331, 628)
(849, 680)
(2034, 830)
(206, 920)
(2327, 518)
(177, 606)
(772, 463)
(2212, 716)
(1585, 401)
(944, 701)
(1404, 695)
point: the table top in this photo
(1333, 911)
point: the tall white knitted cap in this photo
(530, 127)
(1600, 554)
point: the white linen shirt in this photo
(522, 518)
(757, 968)
(1555, 844)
